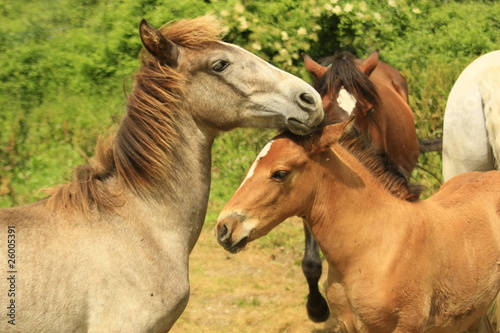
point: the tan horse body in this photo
(396, 263)
(108, 252)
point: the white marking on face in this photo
(346, 101)
(249, 225)
(262, 153)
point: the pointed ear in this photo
(313, 67)
(369, 64)
(332, 133)
(157, 45)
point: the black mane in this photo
(390, 174)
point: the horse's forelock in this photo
(343, 73)
(193, 33)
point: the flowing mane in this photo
(140, 153)
(381, 166)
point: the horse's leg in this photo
(317, 308)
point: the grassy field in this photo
(260, 289)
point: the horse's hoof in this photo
(318, 314)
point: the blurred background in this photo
(65, 68)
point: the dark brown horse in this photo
(378, 95)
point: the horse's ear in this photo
(332, 133)
(369, 64)
(313, 67)
(159, 46)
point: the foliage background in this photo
(63, 65)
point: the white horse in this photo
(471, 129)
(108, 252)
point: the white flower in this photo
(337, 10)
(257, 46)
(284, 35)
(283, 52)
(416, 10)
(301, 31)
(348, 7)
(239, 8)
(243, 23)
(392, 3)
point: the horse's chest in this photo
(365, 308)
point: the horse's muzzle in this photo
(225, 231)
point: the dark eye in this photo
(220, 65)
(280, 175)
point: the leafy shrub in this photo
(63, 65)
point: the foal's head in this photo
(225, 86)
(293, 176)
(281, 183)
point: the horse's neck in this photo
(391, 128)
(354, 214)
(179, 214)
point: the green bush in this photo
(63, 65)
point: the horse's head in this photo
(344, 85)
(282, 182)
(377, 94)
(238, 89)
(312, 177)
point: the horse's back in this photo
(490, 92)
(471, 196)
(465, 135)
(470, 183)
(33, 266)
(389, 74)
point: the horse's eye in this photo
(220, 65)
(280, 175)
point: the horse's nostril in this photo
(307, 98)
(222, 231)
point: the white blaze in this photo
(262, 153)
(346, 101)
